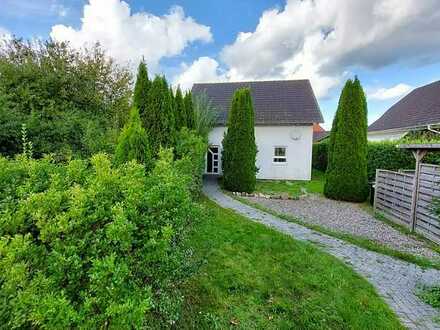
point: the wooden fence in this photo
(407, 202)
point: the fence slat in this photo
(394, 194)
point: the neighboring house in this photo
(285, 112)
(319, 133)
(419, 110)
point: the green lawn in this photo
(293, 188)
(252, 277)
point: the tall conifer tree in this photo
(141, 88)
(239, 147)
(181, 116)
(346, 176)
(189, 110)
(159, 116)
(133, 143)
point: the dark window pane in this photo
(280, 152)
(209, 163)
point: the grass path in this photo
(252, 277)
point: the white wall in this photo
(297, 139)
(386, 136)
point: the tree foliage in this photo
(158, 119)
(141, 88)
(239, 147)
(133, 142)
(180, 111)
(189, 110)
(346, 176)
(72, 101)
(204, 114)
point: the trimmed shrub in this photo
(380, 155)
(133, 142)
(386, 156)
(346, 176)
(239, 148)
(90, 245)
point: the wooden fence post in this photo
(376, 185)
(418, 155)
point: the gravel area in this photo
(347, 218)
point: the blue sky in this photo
(391, 45)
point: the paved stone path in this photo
(395, 280)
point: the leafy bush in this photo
(87, 244)
(346, 176)
(239, 150)
(57, 92)
(191, 149)
(133, 142)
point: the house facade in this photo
(285, 112)
(417, 111)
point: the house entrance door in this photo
(212, 160)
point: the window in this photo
(279, 155)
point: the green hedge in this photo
(319, 156)
(380, 155)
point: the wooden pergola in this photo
(419, 151)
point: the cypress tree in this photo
(181, 120)
(141, 88)
(239, 147)
(133, 142)
(346, 176)
(189, 110)
(159, 116)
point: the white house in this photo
(419, 110)
(285, 112)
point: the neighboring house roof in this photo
(280, 102)
(319, 136)
(420, 107)
(317, 128)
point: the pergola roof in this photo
(421, 146)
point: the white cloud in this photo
(4, 33)
(396, 91)
(204, 69)
(322, 40)
(129, 36)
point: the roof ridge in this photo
(250, 81)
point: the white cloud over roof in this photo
(128, 36)
(324, 40)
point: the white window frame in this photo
(279, 157)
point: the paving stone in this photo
(395, 280)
